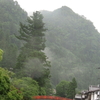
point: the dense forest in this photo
(46, 51)
(73, 46)
(10, 16)
(25, 70)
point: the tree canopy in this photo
(7, 90)
(73, 47)
(66, 88)
(1, 54)
(32, 61)
(10, 15)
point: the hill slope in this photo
(10, 16)
(73, 46)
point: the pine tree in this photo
(71, 91)
(32, 33)
(1, 54)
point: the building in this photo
(93, 93)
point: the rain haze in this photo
(52, 47)
(88, 8)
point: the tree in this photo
(71, 91)
(7, 90)
(4, 82)
(1, 54)
(66, 89)
(10, 15)
(28, 86)
(74, 83)
(14, 94)
(61, 88)
(32, 34)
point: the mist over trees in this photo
(44, 49)
(33, 35)
(73, 45)
(18, 53)
(10, 15)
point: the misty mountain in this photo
(11, 14)
(73, 46)
(72, 43)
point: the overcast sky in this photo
(89, 8)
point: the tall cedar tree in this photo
(33, 36)
(71, 91)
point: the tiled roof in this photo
(94, 88)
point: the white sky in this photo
(89, 8)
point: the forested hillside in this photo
(11, 14)
(73, 46)
(25, 68)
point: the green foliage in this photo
(10, 16)
(1, 54)
(42, 91)
(74, 83)
(72, 43)
(73, 46)
(66, 89)
(32, 61)
(7, 90)
(4, 81)
(71, 91)
(28, 86)
(61, 88)
(49, 87)
(14, 94)
(33, 32)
